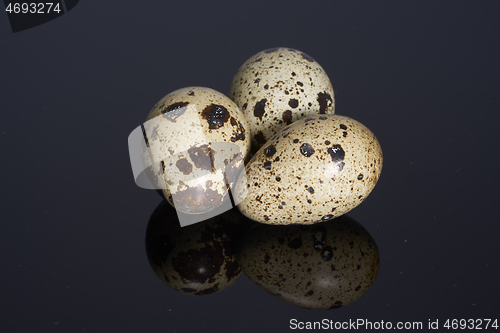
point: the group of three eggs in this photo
(308, 164)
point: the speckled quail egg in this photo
(323, 266)
(278, 86)
(196, 142)
(199, 259)
(316, 169)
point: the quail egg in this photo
(323, 266)
(196, 142)
(199, 259)
(278, 86)
(316, 169)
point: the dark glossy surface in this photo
(323, 266)
(424, 77)
(198, 259)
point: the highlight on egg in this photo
(314, 170)
(322, 266)
(278, 86)
(195, 143)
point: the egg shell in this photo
(323, 266)
(314, 170)
(278, 86)
(197, 141)
(196, 260)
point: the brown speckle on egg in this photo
(184, 166)
(259, 109)
(202, 157)
(270, 151)
(179, 108)
(324, 99)
(216, 115)
(336, 153)
(293, 103)
(239, 132)
(287, 117)
(306, 150)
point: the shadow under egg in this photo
(322, 266)
(198, 259)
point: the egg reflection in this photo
(321, 266)
(199, 259)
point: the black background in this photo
(422, 75)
